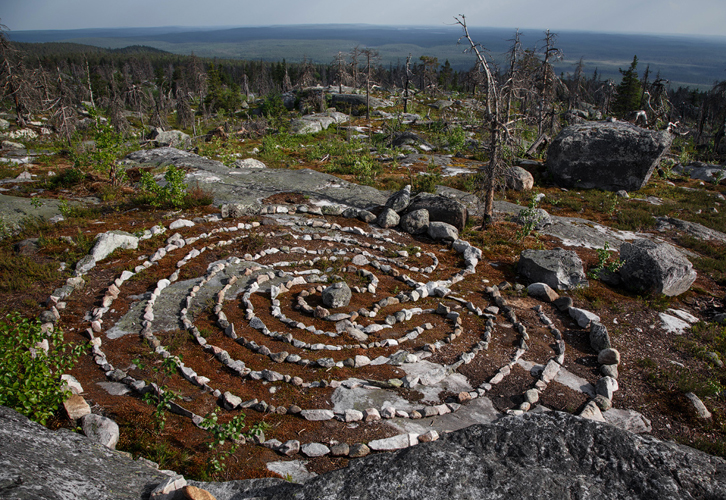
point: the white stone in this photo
(317, 415)
(314, 450)
(106, 243)
(180, 223)
(583, 317)
(398, 442)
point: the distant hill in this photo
(685, 61)
(56, 48)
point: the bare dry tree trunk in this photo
(407, 83)
(548, 81)
(493, 169)
(370, 56)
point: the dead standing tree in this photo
(497, 128)
(549, 81)
(371, 56)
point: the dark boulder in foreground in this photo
(535, 456)
(606, 155)
(37, 463)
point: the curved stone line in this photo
(158, 289)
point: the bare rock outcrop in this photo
(606, 155)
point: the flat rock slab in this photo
(171, 300)
(14, 210)
(114, 388)
(476, 411)
(61, 465)
(294, 470)
(361, 398)
(576, 232)
(249, 186)
(454, 382)
(574, 382)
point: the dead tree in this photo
(549, 80)
(61, 106)
(340, 72)
(497, 129)
(354, 63)
(371, 56)
(515, 52)
(407, 82)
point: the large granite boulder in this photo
(440, 209)
(558, 268)
(170, 138)
(606, 155)
(311, 124)
(38, 463)
(532, 457)
(415, 222)
(355, 100)
(655, 267)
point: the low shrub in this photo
(29, 376)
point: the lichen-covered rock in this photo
(399, 200)
(606, 155)
(441, 209)
(442, 231)
(655, 267)
(336, 295)
(388, 218)
(560, 269)
(519, 179)
(534, 456)
(106, 243)
(415, 222)
(101, 429)
(60, 465)
(556, 455)
(170, 138)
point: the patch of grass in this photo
(19, 273)
(252, 244)
(713, 259)
(68, 178)
(634, 219)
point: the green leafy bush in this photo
(173, 194)
(109, 147)
(29, 377)
(604, 262)
(68, 178)
(231, 431)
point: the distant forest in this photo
(685, 60)
(153, 84)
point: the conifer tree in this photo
(628, 91)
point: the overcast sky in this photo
(698, 17)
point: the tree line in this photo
(55, 77)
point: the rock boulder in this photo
(440, 209)
(558, 268)
(170, 138)
(655, 267)
(535, 456)
(606, 155)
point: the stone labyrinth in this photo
(300, 316)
